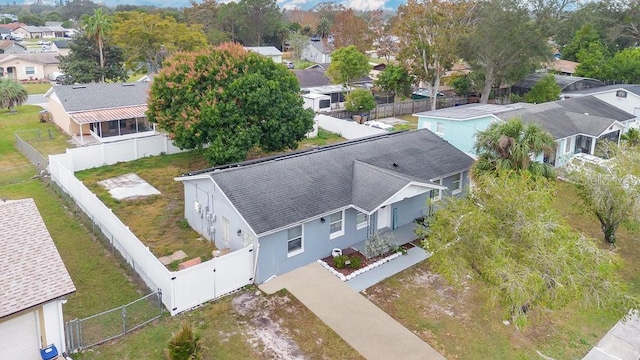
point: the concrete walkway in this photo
(622, 342)
(369, 330)
(347, 129)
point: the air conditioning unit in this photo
(197, 207)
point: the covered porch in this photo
(401, 235)
(111, 124)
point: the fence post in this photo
(160, 301)
(124, 319)
(78, 325)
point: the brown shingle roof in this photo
(32, 271)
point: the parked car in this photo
(64, 80)
(378, 125)
(42, 42)
(288, 64)
(13, 37)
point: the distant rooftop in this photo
(471, 111)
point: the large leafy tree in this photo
(225, 101)
(97, 27)
(504, 43)
(141, 36)
(349, 29)
(508, 235)
(347, 64)
(625, 66)
(584, 36)
(429, 32)
(12, 94)
(82, 65)
(395, 79)
(511, 145)
(259, 18)
(544, 90)
(611, 191)
(593, 61)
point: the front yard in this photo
(462, 323)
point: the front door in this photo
(383, 217)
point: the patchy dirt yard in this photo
(462, 322)
(264, 333)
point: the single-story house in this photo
(102, 112)
(314, 80)
(61, 47)
(376, 69)
(268, 51)
(317, 52)
(563, 67)
(624, 97)
(11, 47)
(34, 32)
(12, 26)
(566, 83)
(34, 284)
(576, 124)
(295, 208)
(28, 66)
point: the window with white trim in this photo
(567, 145)
(336, 225)
(440, 128)
(294, 241)
(456, 184)
(30, 70)
(361, 220)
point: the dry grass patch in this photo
(157, 220)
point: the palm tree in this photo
(512, 145)
(323, 28)
(96, 27)
(12, 94)
(632, 136)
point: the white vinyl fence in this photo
(182, 290)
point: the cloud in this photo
(292, 4)
(364, 4)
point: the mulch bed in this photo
(364, 261)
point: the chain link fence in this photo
(96, 329)
(23, 140)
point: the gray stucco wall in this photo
(272, 255)
(213, 201)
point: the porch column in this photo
(592, 151)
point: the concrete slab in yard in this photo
(128, 186)
(346, 128)
(392, 121)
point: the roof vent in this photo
(586, 114)
(128, 84)
(79, 87)
(395, 164)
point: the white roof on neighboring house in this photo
(32, 271)
(265, 50)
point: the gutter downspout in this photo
(255, 262)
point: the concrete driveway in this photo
(348, 129)
(369, 330)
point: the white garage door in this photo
(19, 338)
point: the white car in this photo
(42, 42)
(378, 125)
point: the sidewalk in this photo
(622, 342)
(369, 330)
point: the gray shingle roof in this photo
(284, 190)
(584, 115)
(102, 96)
(469, 111)
(32, 271)
(315, 77)
(265, 50)
(41, 58)
(633, 88)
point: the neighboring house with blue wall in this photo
(295, 208)
(576, 124)
(458, 125)
(625, 97)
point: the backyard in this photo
(158, 221)
(243, 325)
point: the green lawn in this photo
(463, 323)
(33, 89)
(44, 137)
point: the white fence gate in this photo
(182, 290)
